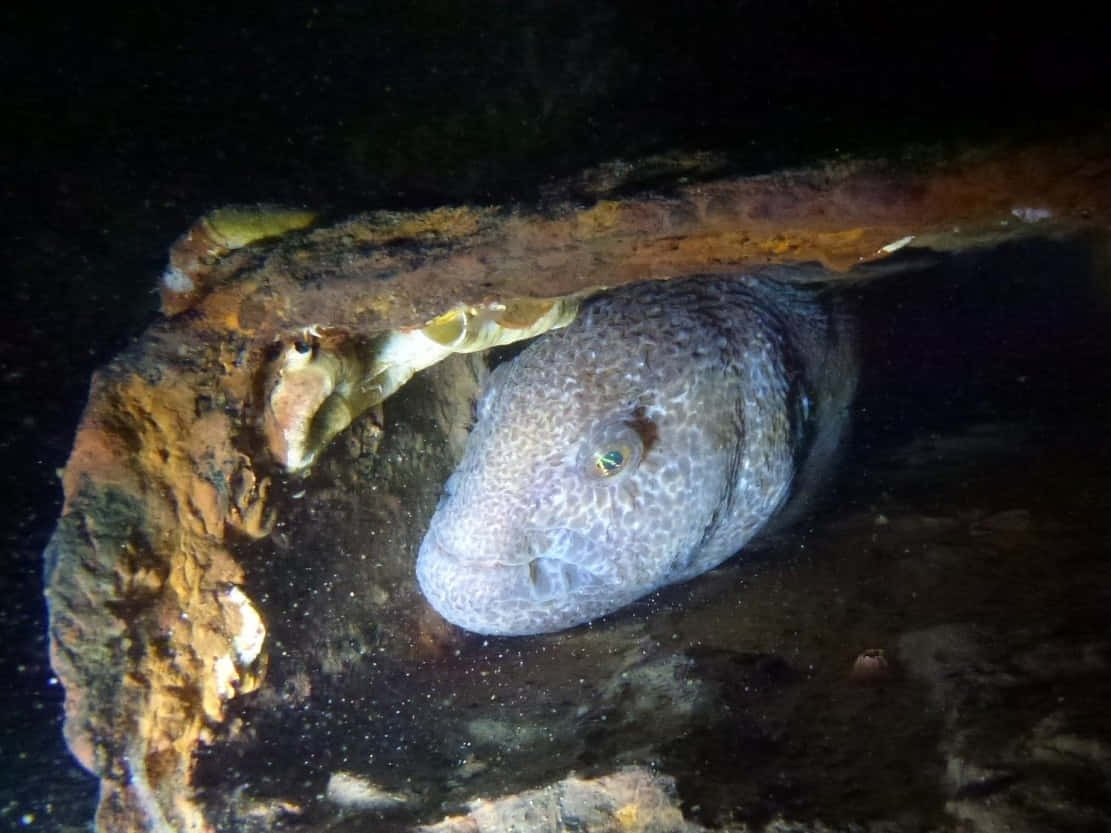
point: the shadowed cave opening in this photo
(967, 486)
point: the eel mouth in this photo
(535, 594)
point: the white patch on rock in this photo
(354, 792)
(177, 281)
(1032, 215)
(252, 633)
(895, 245)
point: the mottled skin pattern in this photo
(640, 446)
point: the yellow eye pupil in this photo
(610, 462)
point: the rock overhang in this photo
(280, 340)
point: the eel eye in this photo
(610, 462)
(613, 448)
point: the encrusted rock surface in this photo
(187, 558)
(632, 799)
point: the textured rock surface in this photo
(633, 799)
(1027, 744)
(173, 503)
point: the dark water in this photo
(125, 124)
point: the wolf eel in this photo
(640, 446)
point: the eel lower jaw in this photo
(529, 595)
